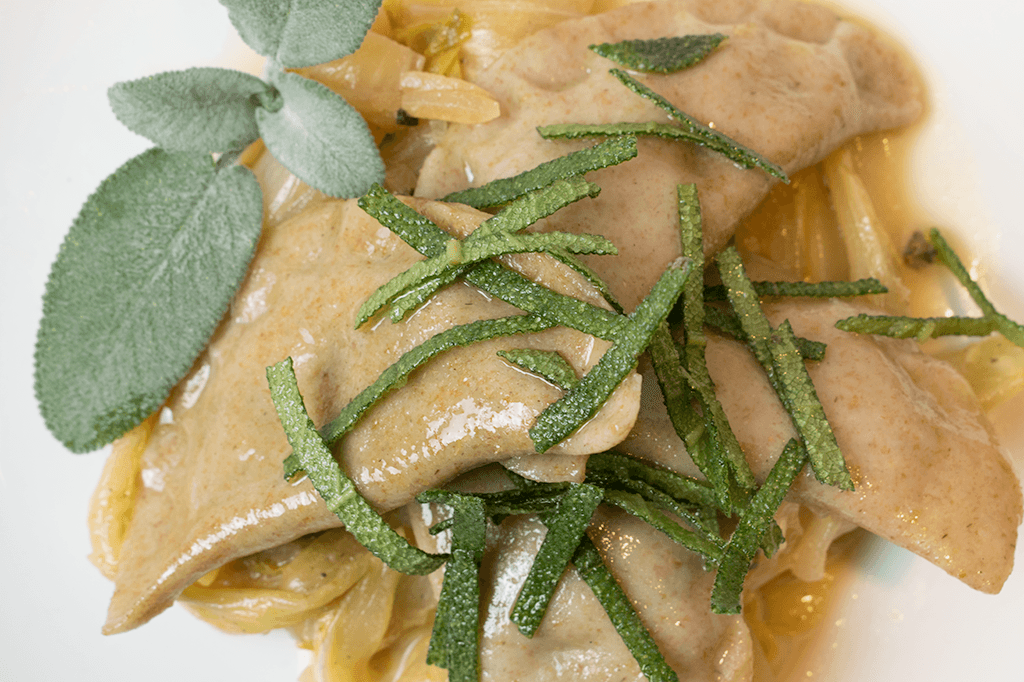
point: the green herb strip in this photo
(726, 322)
(948, 257)
(549, 365)
(143, 277)
(493, 237)
(583, 400)
(337, 490)
(444, 269)
(499, 192)
(395, 375)
(637, 506)
(566, 525)
(692, 239)
(860, 287)
(511, 287)
(803, 405)
(536, 498)
(712, 139)
(660, 55)
(613, 466)
(920, 328)
(703, 519)
(930, 327)
(620, 611)
(454, 642)
(297, 34)
(198, 110)
(787, 373)
(320, 138)
(755, 521)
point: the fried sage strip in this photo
(755, 521)
(661, 55)
(920, 328)
(549, 365)
(636, 505)
(620, 611)
(445, 268)
(929, 327)
(692, 239)
(583, 400)
(494, 237)
(566, 525)
(454, 642)
(726, 322)
(395, 375)
(788, 375)
(498, 192)
(612, 466)
(534, 499)
(834, 289)
(688, 130)
(703, 519)
(711, 138)
(337, 490)
(513, 288)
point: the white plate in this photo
(904, 620)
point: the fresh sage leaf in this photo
(144, 275)
(198, 110)
(661, 55)
(298, 33)
(320, 138)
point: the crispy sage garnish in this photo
(661, 55)
(776, 352)
(337, 490)
(930, 327)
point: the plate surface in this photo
(902, 620)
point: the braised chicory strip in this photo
(566, 525)
(395, 375)
(454, 642)
(513, 288)
(834, 289)
(623, 616)
(337, 490)
(787, 373)
(583, 400)
(495, 236)
(498, 192)
(755, 522)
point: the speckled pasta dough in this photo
(792, 82)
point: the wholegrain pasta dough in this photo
(214, 524)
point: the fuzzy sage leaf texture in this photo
(320, 138)
(297, 33)
(199, 110)
(143, 276)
